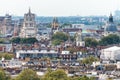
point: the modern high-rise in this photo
(29, 26)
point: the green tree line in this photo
(28, 74)
(60, 37)
(104, 41)
(7, 56)
(19, 40)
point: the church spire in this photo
(55, 20)
(110, 18)
(29, 10)
(55, 23)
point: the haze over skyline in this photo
(59, 7)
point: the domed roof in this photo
(111, 27)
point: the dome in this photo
(111, 27)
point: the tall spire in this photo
(29, 10)
(110, 18)
(55, 23)
(55, 20)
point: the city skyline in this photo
(59, 7)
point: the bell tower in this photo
(111, 18)
(55, 24)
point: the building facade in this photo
(55, 25)
(44, 33)
(111, 53)
(110, 27)
(79, 39)
(5, 25)
(22, 54)
(29, 26)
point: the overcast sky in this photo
(59, 7)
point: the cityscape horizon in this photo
(60, 40)
(77, 15)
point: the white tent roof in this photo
(114, 48)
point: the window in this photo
(30, 19)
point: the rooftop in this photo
(114, 48)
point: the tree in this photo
(3, 76)
(2, 40)
(109, 79)
(83, 78)
(59, 75)
(19, 40)
(7, 56)
(110, 39)
(65, 24)
(49, 25)
(72, 49)
(22, 40)
(31, 40)
(72, 38)
(59, 37)
(89, 60)
(27, 74)
(57, 42)
(56, 75)
(15, 40)
(90, 42)
(47, 76)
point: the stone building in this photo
(79, 39)
(110, 27)
(55, 25)
(5, 24)
(29, 26)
